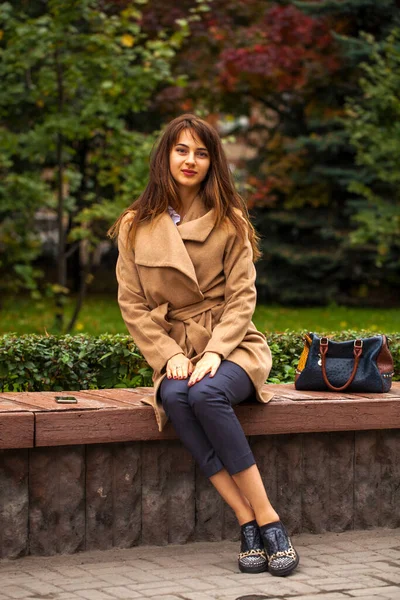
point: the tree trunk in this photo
(61, 256)
(85, 277)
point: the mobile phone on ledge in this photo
(66, 399)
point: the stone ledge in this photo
(66, 499)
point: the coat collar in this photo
(160, 244)
(198, 222)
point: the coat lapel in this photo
(161, 244)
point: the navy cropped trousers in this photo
(205, 421)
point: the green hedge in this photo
(51, 363)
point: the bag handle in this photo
(357, 351)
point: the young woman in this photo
(187, 295)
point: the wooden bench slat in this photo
(119, 415)
(122, 396)
(16, 430)
(138, 423)
(319, 416)
(45, 401)
(12, 406)
(102, 426)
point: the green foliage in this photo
(51, 363)
(373, 123)
(41, 363)
(101, 314)
(73, 78)
(301, 172)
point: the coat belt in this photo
(196, 333)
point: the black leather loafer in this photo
(281, 556)
(252, 558)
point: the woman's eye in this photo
(203, 154)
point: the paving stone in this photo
(170, 597)
(331, 559)
(122, 593)
(389, 553)
(220, 581)
(14, 591)
(198, 596)
(196, 584)
(62, 596)
(208, 571)
(391, 567)
(312, 562)
(359, 557)
(42, 587)
(233, 593)
(339, 585)
(143, 577)
(95, 595)
(377, 590)
(369, 581)
(328, 596)
(77, 586)
(149, 585)
(391, 595)
(298, 587)
(369, 596)
(165, 589)
(115, 579)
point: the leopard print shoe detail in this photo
(252, 557)
(282, 557)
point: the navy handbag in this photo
(362, 365)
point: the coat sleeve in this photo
(153, 341)
(240, 298)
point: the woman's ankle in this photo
(267, 517)
(245, 517)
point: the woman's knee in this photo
(203, 394)
(173, 395)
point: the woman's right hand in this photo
(179, 367)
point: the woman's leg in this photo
(173, 393)
(211, 400)
(174, 397)
(227, 488)
(250, 483)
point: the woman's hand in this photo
(179, 367)
(208, 364)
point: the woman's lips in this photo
(188, 173)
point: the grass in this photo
(101, 314)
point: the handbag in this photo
(361, 365)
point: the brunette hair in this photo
(217, 189)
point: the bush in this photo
(54, 363)
(36, 363)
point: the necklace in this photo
(183, 216)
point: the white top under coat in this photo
(174, 215)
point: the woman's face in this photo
(189, 160)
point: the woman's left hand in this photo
(208, 364)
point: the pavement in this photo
(360, 565)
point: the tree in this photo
(288, 67)
(74, 75)
(291, 71)
(373, 124)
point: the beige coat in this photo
(191, 288)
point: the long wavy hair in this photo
(217, 188)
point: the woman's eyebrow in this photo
(186, 146)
